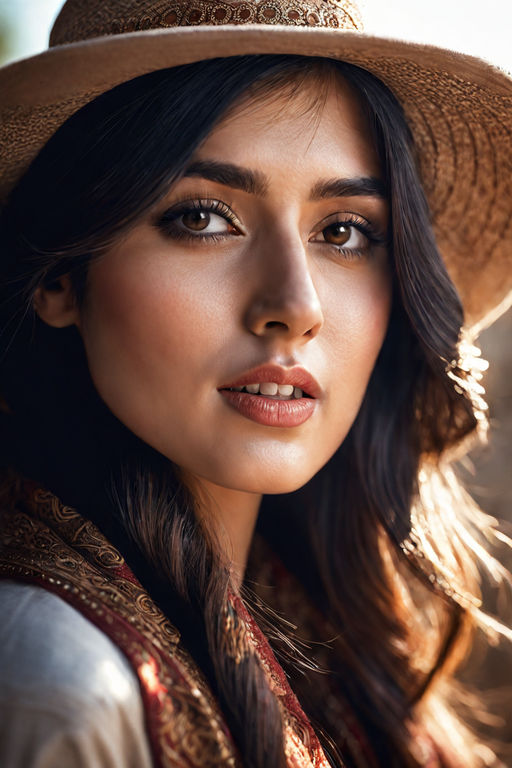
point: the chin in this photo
(277, 481)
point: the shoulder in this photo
(65, 689)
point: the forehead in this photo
(309, 126)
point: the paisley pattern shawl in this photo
(46, 543)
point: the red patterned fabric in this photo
(45, 543)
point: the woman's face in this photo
(270, 253)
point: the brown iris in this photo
(196, 220)
(337, 234)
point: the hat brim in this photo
(459, 109)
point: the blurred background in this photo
(471, 26)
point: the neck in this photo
(233, 515)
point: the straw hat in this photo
(459, 108)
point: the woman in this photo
(224, 301)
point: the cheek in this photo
(141, 328)
(120, 316)
(356, 326)
(369, 320)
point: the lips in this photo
(273, 410)
(298, 377)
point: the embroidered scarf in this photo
(48, 544)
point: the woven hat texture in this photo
(459, 108)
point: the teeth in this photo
(269, 388)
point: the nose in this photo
(284, 301)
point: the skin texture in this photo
(167, 321)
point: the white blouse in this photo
(68, 696)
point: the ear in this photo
(55, 303)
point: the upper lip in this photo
(297, 376)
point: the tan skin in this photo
(289, 277)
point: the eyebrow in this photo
(252, 182)
(363, 186)
(256, 183)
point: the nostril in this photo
(275, 324)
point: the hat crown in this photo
(85, 19)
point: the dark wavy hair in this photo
(383, 555)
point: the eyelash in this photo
(374, 236)
(166, 223)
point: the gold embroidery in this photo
(235, 634)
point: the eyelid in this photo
(369, 228)
(341, 216)
(190, 202)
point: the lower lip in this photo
(269, 412)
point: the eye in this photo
(199, 220)
(350, 235)
(344, 234)
(204, 221)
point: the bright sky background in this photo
(480, 27)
